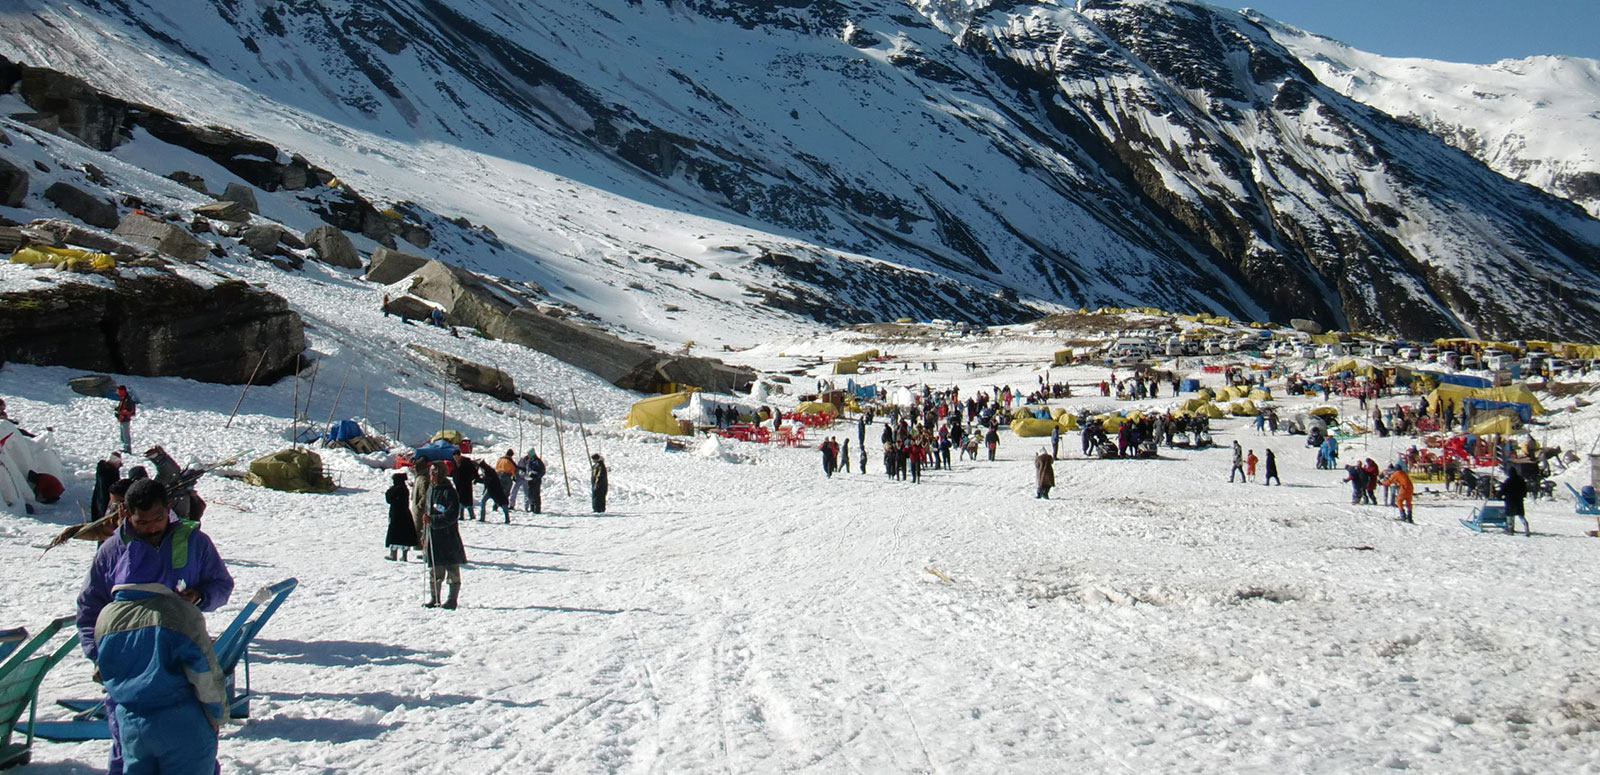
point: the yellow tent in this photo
(1212, 410)
(1517, 393)
(1245, 408)
(654, 414)
(865, 355)
(1111, 422)
(1502, 424)
(1192, 404)
(452, 436)
(1205, 394)
(1260, 395)
(1062, 358)
(817, 407)
(1325, 411)
(847, 366)
(1032, 426)
(1068, 421)
(74, 259)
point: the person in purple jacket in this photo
(151, 547)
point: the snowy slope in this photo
(843, 157)
(1536, 120)
(736, 611)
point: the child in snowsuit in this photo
(1250, 464)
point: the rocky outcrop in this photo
(82, 205)
(99, 120)
(471, 300)
(474, 377)
(392, 266)
(10, 239)
(334, 248)
(154, 325)
(77, 236)
(242, 194)
(230, 211)
(13, 184)
(168, 238)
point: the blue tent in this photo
(1461, 379)
(343, 430)
(1483, 404)
(437, 450)
(1189, 386)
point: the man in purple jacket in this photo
(151, 547)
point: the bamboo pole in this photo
(577, 413)
(294, 416)
(252, 380)
(339, 394)
(399, 436)
(444, 400)
(563, 449)
(316, 368)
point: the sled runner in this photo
(231, 647)
(20, 677)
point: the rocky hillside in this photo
(853, 160)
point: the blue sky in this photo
(1452, 30)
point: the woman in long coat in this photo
(402, 535)
(599, 482)
(1044, 470)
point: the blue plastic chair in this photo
(232, 648)
(20, 677)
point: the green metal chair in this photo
(20, 677)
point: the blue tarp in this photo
(437, 450)
(865, 391)
(343, 430)
(1484, 404)
(1041, 414)
(1189, 386)
(1461, 379)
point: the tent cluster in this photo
(851, 364)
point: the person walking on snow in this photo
(1238, 463)
(1514, 491)
(844, 456)
(1055, 441)
(1250, 464)
(446, 553)
(506, 471)
(599, 482)
(1403, 494)
(125, 411)
(464, 473)
(991, 440)
(1044, 473)
(533, 469)
(1272, 470)
(402, 534)
(492, 493)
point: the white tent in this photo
(19, 455)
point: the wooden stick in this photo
(444, 399)
(340, 394)
(563, 449)
(399, 436)
(247, 384)
(578, 413)
(294, 416)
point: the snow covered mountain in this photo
(1536, 120)
(846, 161)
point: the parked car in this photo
(1469, 361)
(1410, 353)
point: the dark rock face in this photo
(13, 184)
(73, 234)
(470, 300)
(333, 247)
(226, 210)
(169, 238)
(242, 194)
(154, 326)
(472, 376)
(82, 205)
(82, 111)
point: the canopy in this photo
(1517, 393)
(654, 414)
(290, 470)
(817, 407)
(1502, 424)
(1324, 411)
(1358, 365)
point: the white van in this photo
(1498, 362)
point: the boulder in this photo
(82, 205)
(241, 194)
(73, 234)
(408, 307)
(471, 300)
(189, 180)
(95, 385)
(416, 235)
(13, 184)
(232, 212)
(392, 266)
(10, 239)
(333, 247)
(263, 238)
(168, 238)
(474, 377)
(154, 324)
(1306, 326)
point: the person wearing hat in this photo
(402, 533)
(150, 547)
(126, 409)
(598, 483)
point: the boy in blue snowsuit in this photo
(156, 661)
(151, 547)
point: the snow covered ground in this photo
(742, 613)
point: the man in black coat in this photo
(462, 475)
(446, 553)
(1514, 491)
(599, 482)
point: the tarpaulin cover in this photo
(290, 470)
(847, 367)
(343, 430)
(1475, 405)
(452, 436)
(1325, 411)
(1189, 385)
(436, 450)
(1032, 426)
(1245, 408)
(654, 414)
(1503, 424)
(817, 407)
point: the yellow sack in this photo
(82, 260)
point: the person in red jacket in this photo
(125, 412)
(46, 488)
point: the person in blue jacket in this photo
(156, 661)
(150, 547)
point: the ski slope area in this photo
(735, 611)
